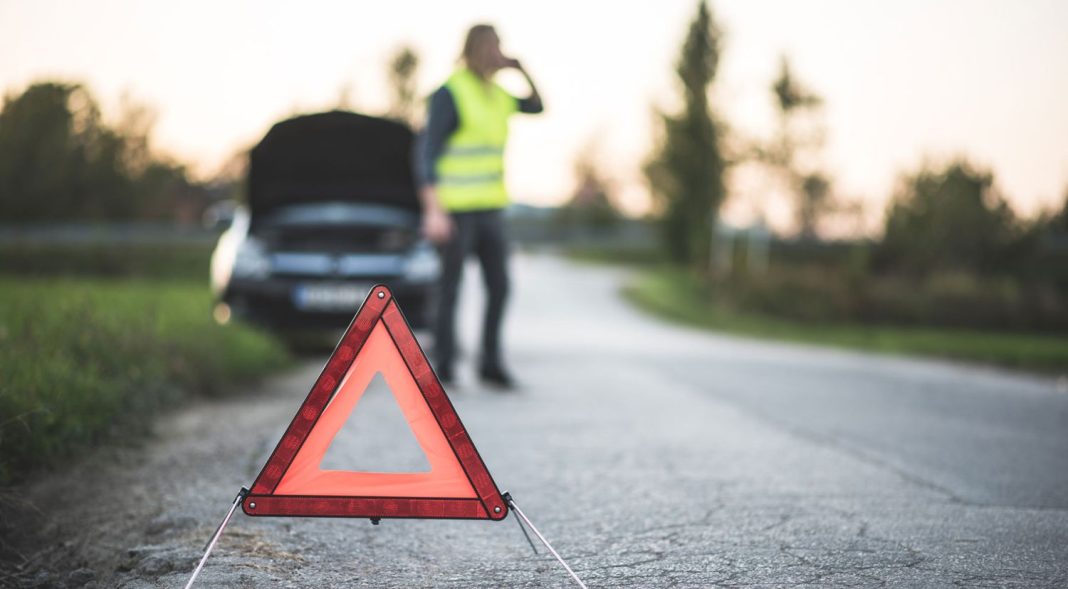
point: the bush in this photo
(687, 298)
(950, 219)
(947, 299)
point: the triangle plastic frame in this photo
(378, 307)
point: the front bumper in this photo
(274, 302)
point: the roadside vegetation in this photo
(679, 296)
(952, 272)
(98, 333)
(956, 274)
(167, 261)
(88, 360)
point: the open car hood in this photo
(335, 156)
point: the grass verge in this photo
(678, 296)
(187, 261)
(83, 360)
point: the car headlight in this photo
(251, 260)
(423, 265)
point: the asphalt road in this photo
(650, 454)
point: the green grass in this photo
(678, 296)
(84, 360)
(179, 260)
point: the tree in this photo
(60, 162)
(44, 145)
(1059, 222)
(591, 205)
(794, 151)
(402, 70)
(814, 203)
(686, 171)
(789, 92)
(949, 219)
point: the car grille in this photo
(341, 240)
(319, 265)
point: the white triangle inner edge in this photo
(376, 438)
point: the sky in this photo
(903, 82)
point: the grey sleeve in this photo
(441, 122)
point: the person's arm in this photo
(442, 121)
(531, 104)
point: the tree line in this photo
(61, 161)
(947, 217)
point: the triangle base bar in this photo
(370, 507)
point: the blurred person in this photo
(460, 171)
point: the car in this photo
(331, 209)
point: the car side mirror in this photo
(220, 216)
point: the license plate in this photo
(329, 297)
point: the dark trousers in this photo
(483, 234)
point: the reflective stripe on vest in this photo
(471, 170)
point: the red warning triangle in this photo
(457, 486)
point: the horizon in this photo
(902, 84)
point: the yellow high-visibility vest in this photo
(471, 169)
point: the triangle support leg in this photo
(215, 537)
(523, 529)
(519, 512)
